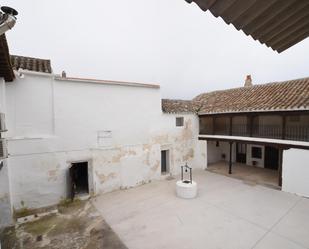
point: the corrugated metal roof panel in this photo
(276, 23)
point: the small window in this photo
(256, 152)
(179, 121)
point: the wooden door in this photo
(241, 153)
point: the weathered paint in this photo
(46, 138)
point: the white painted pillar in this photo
(295, 171)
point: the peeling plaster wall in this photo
(54, 123)
(40, 180)
(182, 142)
(295, 172)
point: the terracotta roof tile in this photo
(287, 95)
(31, 64)
(180, 106)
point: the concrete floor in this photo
(250, 174)
(227, 214)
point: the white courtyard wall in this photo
(5, 197)
(295, 171)
(220, 153)
(119, 130)
(215, 154)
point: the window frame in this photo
(256, 152)
(181, 120)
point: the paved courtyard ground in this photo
(228, 214)
(250, 174)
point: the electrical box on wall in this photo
(104, 138)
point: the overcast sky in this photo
(168, 42)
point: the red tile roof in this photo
(180, 106)
(277, 96)
(31, 64)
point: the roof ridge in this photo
(253, 86)
(178, 99)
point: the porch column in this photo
(280, 167)
(230, 162)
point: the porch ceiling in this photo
(255, 140)
(276, 23)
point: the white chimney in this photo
(248, 81)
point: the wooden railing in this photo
(297, 133)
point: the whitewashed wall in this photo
(295, 171)
(214, 153)
(5, 198)
(53, 123)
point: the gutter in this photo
(253, 111)
(106, 82)
(19, 73)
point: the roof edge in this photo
(255, 85)
(257, 110)
(107, 82)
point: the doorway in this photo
(164, 161)
(79, 179)
(241, 153)
(271, 158)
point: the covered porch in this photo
(248, 174)
(253, 160)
